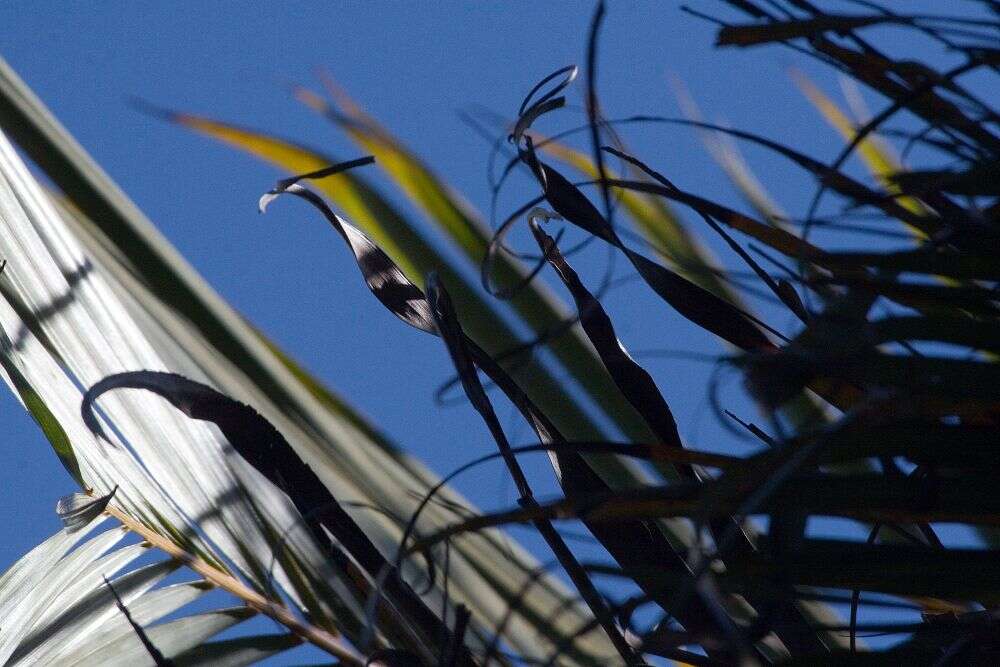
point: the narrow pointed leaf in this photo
(146, 610)
(634, 382)
(172, 638)
(416, 257)
(200, 335)
(463, 358)
(694, 303)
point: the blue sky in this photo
(413, 66)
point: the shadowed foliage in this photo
(878, 395)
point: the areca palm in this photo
(88, 299)
(227, 460)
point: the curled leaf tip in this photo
(531, 109)
(281, 188)
(291, 184)
(543, 214)
(266, 199)
(77, 510)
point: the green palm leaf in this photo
(180, 324)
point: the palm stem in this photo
(310, 633)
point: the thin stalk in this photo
(251, 598)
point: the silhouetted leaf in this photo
(661, 225)
(461, 355)
(924, 442)
(870, 497)
(633, 380)
(980, 180)
(979, 334)
(790, 299)
(963, 574)
(263, 447)
(693, 302)
(776, 31)
(938, 263)
(383, 277)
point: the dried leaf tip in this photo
(531, 109)
(290, 184)
(270, 196)
(539, 214)
(77, 510)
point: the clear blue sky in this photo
(413, 65)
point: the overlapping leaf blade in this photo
(158, 458)
(59, 608)
(398, 237)
(197, 334)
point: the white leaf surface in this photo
(98, 313)
(24, 609)
(93, 605)
(148, 609)
(58, 610)
(170, 638)
(160, 458)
